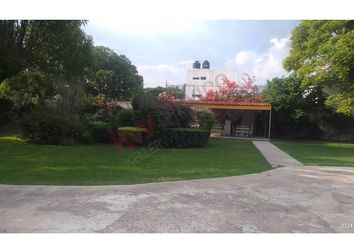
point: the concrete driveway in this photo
(288, 199)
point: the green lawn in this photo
(319, 152)
(22, 163)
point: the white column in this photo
(270, 123)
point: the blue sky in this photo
(164, 50)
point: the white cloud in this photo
(160, 68)
(186, 62)
(280, 43)
(267, 65)
(157, 75)
(264, 66)
(245, 57)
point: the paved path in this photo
(288, 199)
(275, 156)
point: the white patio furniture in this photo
(217, 131)
(243, 131)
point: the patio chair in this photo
(217, 131)
(250, 132)
(243, 131)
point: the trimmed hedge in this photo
(185, 137)
(133, 136)
(100, 131)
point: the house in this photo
(242, 115)
(202, 78)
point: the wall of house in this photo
(199, 81)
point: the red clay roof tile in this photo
(202, 102)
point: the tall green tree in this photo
(293, 108)
(298, 112)
(322, 54)
(56, 47)
(39, 56)
(28, 86)
(113, 75)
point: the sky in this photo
(164, 50)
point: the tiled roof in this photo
(204, 102)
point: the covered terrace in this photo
(237, 119)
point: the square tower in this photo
(200, 80)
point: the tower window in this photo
(195, 78)
(203, 78)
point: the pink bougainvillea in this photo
(165, 97)
(212, 95)
(233, 92)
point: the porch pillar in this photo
(270, 123)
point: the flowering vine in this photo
(164, 97)
(233, 92)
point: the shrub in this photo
(178, 116)
(100, 131)
(6, 111)
(86, 138)
(45, 127)
(162, 113)
(124, 118)
(145, 109)
(133, 136)
(99, 108)
(206, 120)
(185, 137)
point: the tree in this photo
(154, 91)
(293, 108)
(176, 91)
(40, 56)
(113, 75)
(28, 86)
(322, 54)
(53, 47)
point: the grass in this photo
(320, 153)
(22, 163)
